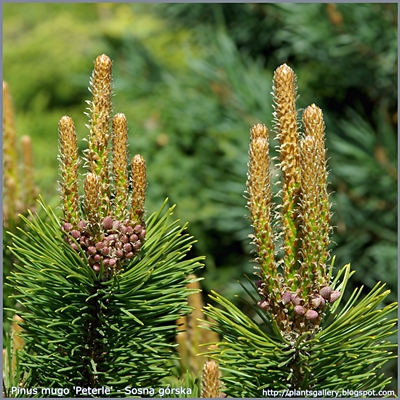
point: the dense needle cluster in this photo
(110, 229)
(294, 290)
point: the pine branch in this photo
(84, 331)
(304, 340)
(100, 289)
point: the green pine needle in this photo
(80, 330)
(347, 352)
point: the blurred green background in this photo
(192, 79)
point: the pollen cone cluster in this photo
(294, 290)
(106, 224)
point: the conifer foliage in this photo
(99, 289)
(301, 340)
